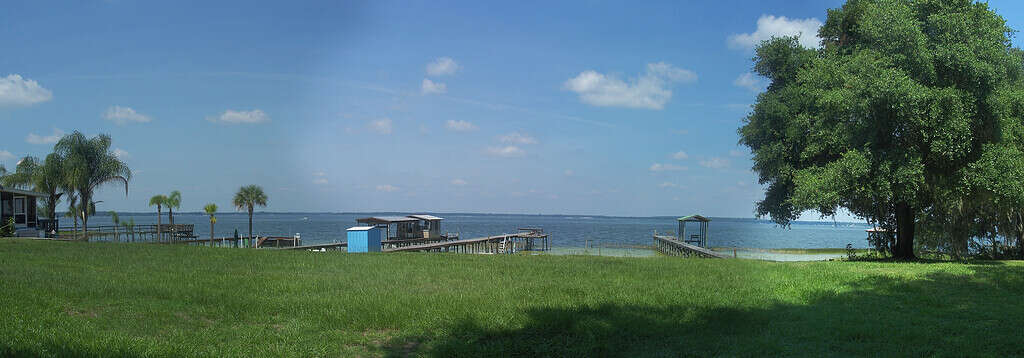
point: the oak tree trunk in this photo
(904, 249)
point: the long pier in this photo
(261, 241)
(163, 233)
(319, 247)
(671, 246)
(527, 240)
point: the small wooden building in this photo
(700, 238)
(364, 239)
(21, 206)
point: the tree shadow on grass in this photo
(941, 314)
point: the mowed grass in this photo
(65, 299)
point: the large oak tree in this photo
(891, 118)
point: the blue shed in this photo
(364, 239)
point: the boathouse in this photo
(21, 206)
(395, 227)
(364, 239)
(430, 225)
(419, 226)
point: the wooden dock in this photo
(319, 247)
(670, 245)
(389, 244)
(163, 233)
(526, 240)
(261, 242)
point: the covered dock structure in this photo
(700, 238)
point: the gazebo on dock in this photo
(701, 237)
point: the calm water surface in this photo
(567, 232)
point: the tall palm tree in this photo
(88, 164)
(41, 176)
(211, 209)
(159, 201)
(173, 202)
(247, 198)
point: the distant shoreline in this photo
(373, 213)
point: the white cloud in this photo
(442, 66)
(459, 182)
(651, 91)
(749, 81)
(459, 126)
(124, 115)
(769, 26)
(387, 188)
(737, 153)
(507, 151)
(240, 117)
(658, 167)
(517, 138)
(33, 138)
(714, 163)
(569, 172)
(5, 155)
(121, 154)
(381, 126)
(668, 185)
(680, 155)
(18, 91)
(431, 87)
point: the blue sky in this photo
(616, 108)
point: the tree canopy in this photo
(908, 109)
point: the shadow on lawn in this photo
(941, 314)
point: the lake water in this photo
(568, 233)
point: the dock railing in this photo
(671, 246)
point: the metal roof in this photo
(386, 219)
(360, 228)
(694, 218)
(22, 192)
(426, 217)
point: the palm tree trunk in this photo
(170, 217)
(250, 227)
(159, 214)
(211, 232)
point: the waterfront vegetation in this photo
(109, 299)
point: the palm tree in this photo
(247, 198)
(173, 202)
(159, 201)
(210, 210)
(129, 227)
(117, 222)
(88, 164)
(41, 176)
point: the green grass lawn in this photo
(100, 299)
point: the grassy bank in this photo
(81, 299)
